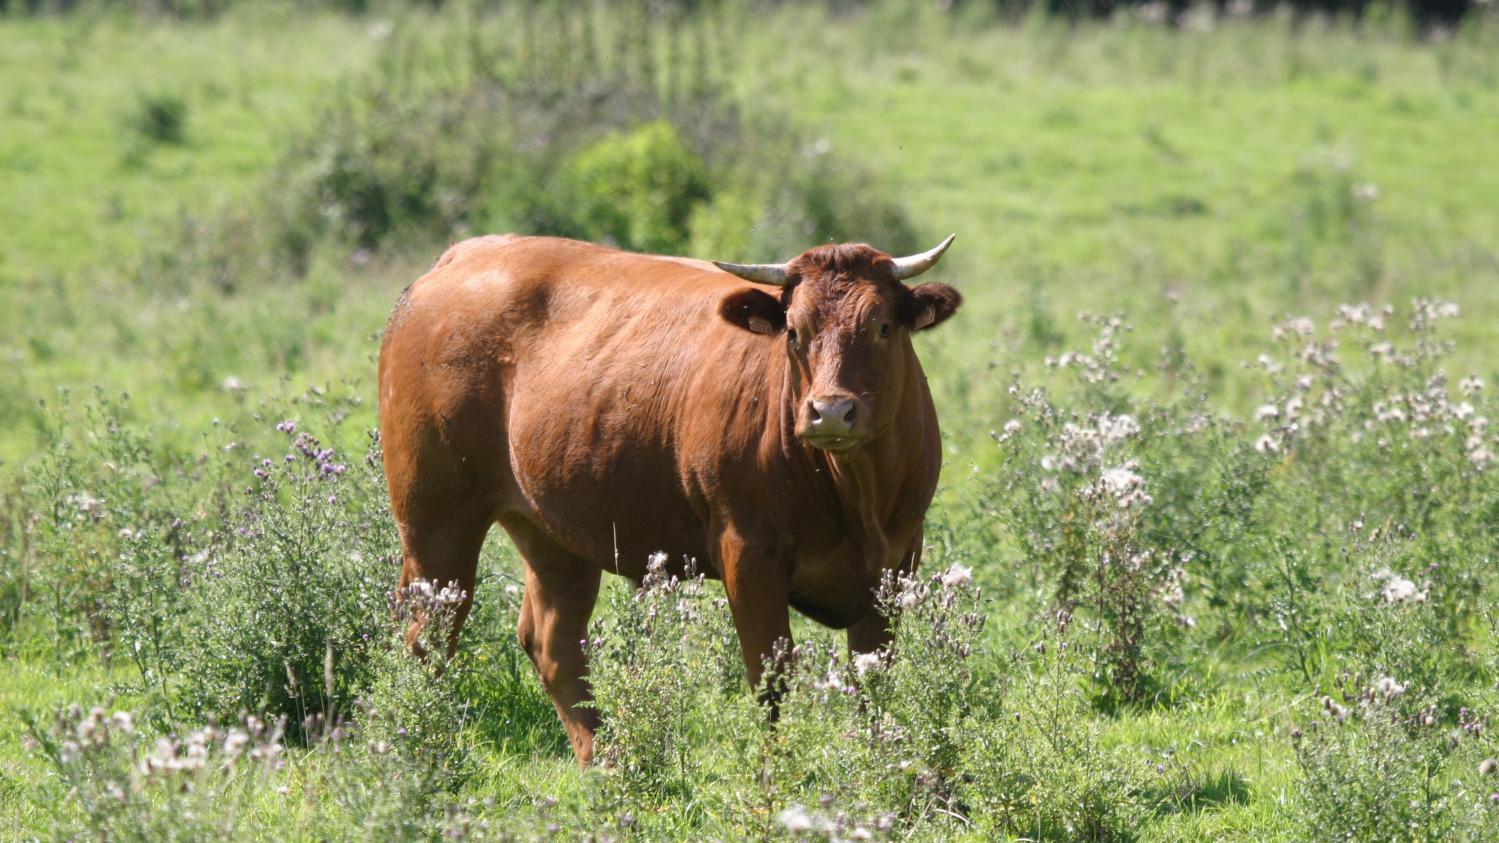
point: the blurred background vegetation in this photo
(208, 208)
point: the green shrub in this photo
(159, 117)
(107, 549)
(1039, 770)
(287, 605)
(661, 657)
(414, 161)
(637, 190)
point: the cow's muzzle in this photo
(832, 423)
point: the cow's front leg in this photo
(876, 629)
(757, 582)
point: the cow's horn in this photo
(764, 273)
(910, 267)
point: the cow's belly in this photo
(612, 500)
(830, 585)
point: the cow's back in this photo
(580, 389)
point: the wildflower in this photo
(1301, 326)
(1012, 427)
(795, 819)
(287, 426)
(233, 384)
(957, 576)
(1125, 485)
(1480, 457)
(235, 742)
(1335, 711)
(1488, 767)
(1471, 385)
(1115, 428)
(1389, 688)
(1266, 411)
(1398, 589)
(1382, 351)
(123, 722)
(69, 752)
(865, 662)
(86, 503)
(1266, 444)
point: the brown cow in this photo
(601, 405)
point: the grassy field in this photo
(1231, 536)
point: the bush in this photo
(117, 780)
(637, 190)
(663, 655)
(415, 161)
(1037, 768)
(1379, 761)
(104, 560)
(289, 603)
(159, 118)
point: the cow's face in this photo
(845, 322)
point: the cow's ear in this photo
(929, 305)
(753, 310)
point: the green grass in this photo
(1104, 167)
(1203, 183)
(81, 191)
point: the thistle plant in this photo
(292, 598)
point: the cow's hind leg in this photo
(441, 545)
(561, 590)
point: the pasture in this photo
(1213, 552)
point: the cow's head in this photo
(845, 317)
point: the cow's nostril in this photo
(833, 417)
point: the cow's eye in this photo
(885, 329)
(791, 337)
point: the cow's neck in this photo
(858, 487)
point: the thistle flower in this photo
(1398, 589)
(1389, 688)
(957, 576)
(1125, 485)
(1334, 710)
(795, 819)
